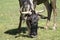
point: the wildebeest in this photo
(50, 6)
(32, 16)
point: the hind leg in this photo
(49, 10)
(54, 13)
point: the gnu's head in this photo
(34, 19)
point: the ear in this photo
(42, 16)
(40, 11)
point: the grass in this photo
(9, 21)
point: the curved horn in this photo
(28, 12)
(40, 11)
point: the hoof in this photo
(54, 27)
(46, 28)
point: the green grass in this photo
(9, 20)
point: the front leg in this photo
(20, 23)
(28, 27)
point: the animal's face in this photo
(34, 19)
(34, 24)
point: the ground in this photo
(9, 21)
